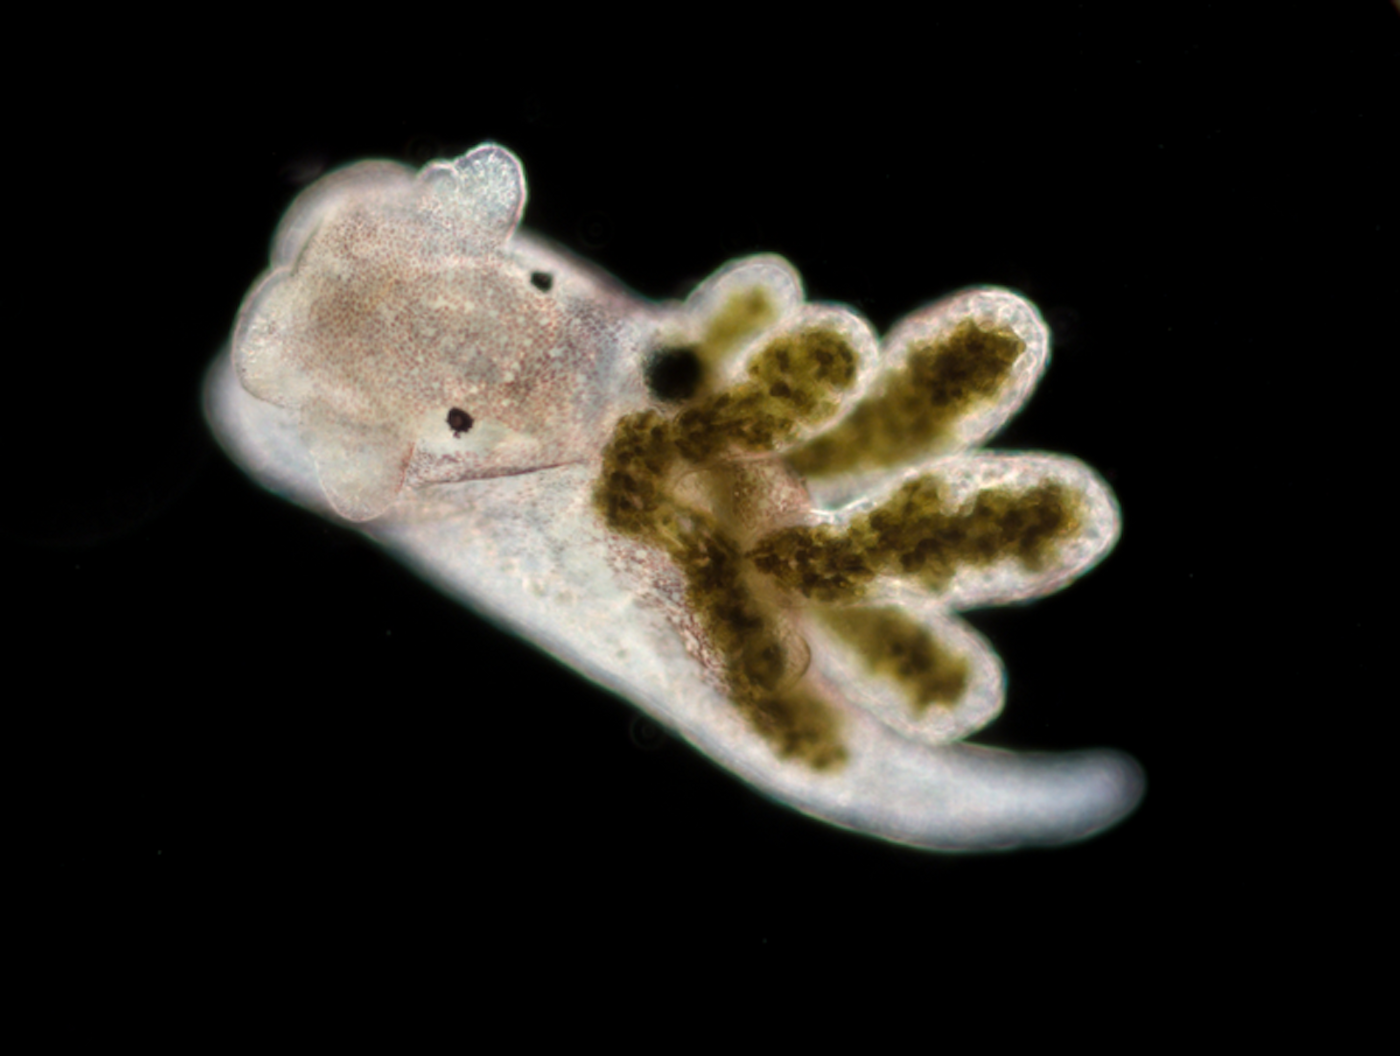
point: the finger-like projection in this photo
(741, 512)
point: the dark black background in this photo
(229, 693)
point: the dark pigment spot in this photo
(459, 421)
(673, 374)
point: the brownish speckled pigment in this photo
(792, 382)
(743, 314)
(898, 648)
(915, 533)
(913, 410)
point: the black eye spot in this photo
(541, 280)
(673, 374)
(459, 421)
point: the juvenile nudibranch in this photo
(741, 512)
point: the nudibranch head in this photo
(397, 304)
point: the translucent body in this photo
(500, 417)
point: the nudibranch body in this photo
(742, 512)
